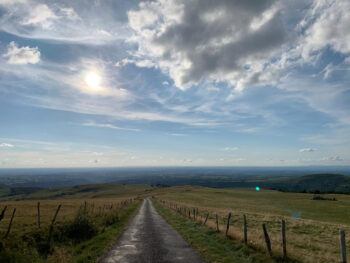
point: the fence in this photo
(205, 216)
(87, 209)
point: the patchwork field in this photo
(312, 226)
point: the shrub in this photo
(110, 219)
(81, 228)
(11, 257)
(318, 197)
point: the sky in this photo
(108, 83)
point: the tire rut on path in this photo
(150, 239)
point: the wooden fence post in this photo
(228, 222)
(53, 222)
(245, 229)
(284, 241)
(267, 240)
(342, 246)
(3, 213)
(38, 208)
(206, 219)
(10, 224)
(217, 222)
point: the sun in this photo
(93, 80)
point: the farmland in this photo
(312, 225)
(87, 224)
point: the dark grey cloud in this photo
(225, 40)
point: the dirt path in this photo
(150, 239)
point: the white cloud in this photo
(28, 141)
(22, 55)
(239, 159)
(109, 126)
(93, 23)
(40, 14)
(177, 134)
(326, 24)
(230, 148)
(11, 2)
(70, 13)
(143, 18)
(336, 158)
(6, 145)
(141, 63)
(307, 150)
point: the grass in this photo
(92, 249)
(102, 222)
(110, 190)
(312, 225)
(213, 246)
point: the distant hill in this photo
(79, 191)
(324, 183)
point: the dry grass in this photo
(26, 211)
(308, 240)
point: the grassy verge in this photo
(82, 238)
(94, 248)
(212, 246)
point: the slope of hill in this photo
(324, 183)
(312, 227)
(79, 191)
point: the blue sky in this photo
(180, 83)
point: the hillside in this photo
(312, 226)
(324, 183)
(76, 192)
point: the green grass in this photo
(82, 191)
(28, 243)
(212, 246)
(273, 202)
(94, 248)
(312, 226)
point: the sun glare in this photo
(92, 80)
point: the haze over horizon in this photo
(174, 83)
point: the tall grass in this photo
(77, 225)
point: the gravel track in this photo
(149, 238)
